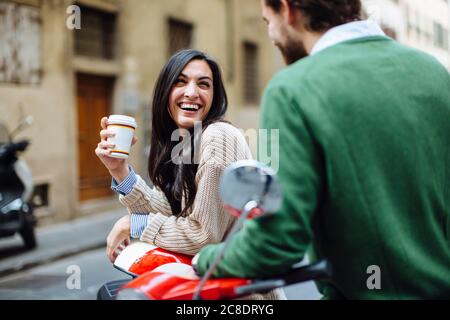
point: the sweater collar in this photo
(348, 31)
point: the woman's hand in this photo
(118, 238)
(118, 168)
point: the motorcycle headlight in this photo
(12, 206)
(131, 294)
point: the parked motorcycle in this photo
(248, 189)
(16, 187)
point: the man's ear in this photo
(288, 12)
(292, 15)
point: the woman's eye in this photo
(180, 81)
(204, 85)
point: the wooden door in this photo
(94, 96)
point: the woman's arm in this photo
(141, 201)
(144, 199)
(208, 222)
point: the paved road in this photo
(48, 282)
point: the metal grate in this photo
(180, 35)
(97, 36)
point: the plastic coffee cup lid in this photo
(125, 120)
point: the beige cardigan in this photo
(208, 222)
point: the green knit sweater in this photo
(364, 161)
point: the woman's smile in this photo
(192, 94)
(189, 108)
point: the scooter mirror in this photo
(24, 123)
(249, 180)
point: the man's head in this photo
(295, 25)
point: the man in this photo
(364, 158)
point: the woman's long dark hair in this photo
(178, 179)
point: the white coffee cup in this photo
(123, 127)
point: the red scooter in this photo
(248, 189)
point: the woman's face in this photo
(192, 94)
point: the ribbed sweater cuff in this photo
(152, 230)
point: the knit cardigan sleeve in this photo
(208, 222)
(145, 200)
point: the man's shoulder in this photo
(309, 66)
(350, 59)
(296, 75)
(291, 82)
(287, 75)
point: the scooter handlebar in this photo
(21, 145)
(8, 151)
(321, 270)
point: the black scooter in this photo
(16, 187)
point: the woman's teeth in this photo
(190, 107)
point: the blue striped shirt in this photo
(138, 221)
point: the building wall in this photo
(419, 31)
(220, 27)
(413, 22)
(50, 154)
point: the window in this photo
(96, 38)
(20, 37)
(418, 30)
(440, 36)
(409, 23)
(251, 73)
(180, 35)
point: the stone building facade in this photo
(68, 78)
(424, 25)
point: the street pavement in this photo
(68, 248)
(52, 281)
(57, 241)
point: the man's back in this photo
(376, 115)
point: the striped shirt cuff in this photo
(126, 186)
(138, 224)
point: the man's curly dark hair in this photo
(324, 14)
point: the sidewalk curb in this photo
(59, 241)
(38, 262)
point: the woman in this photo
(183, 211)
